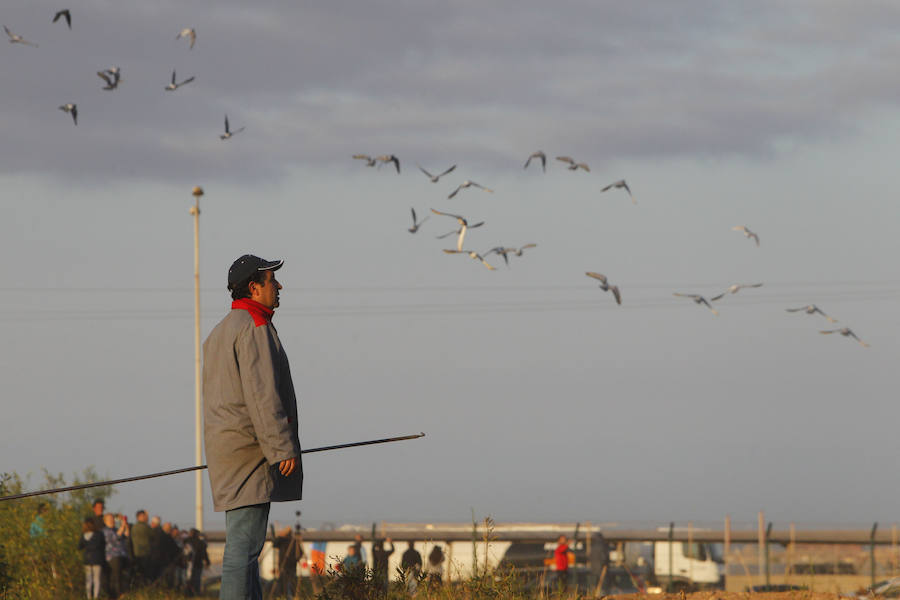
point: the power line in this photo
(445, 288)
(599, 302)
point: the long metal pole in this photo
(198, 415)
(84, 486)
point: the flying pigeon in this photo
(539, 155)
(473, 255)
(812, 309)
(505, 252)
(605, 285)
(698, 299)
(188, 32)
(17, 39)
(64, 13)
(466, 184)
(386, 158)
(72, 109)
(463, 227)
(846, 332)
(733, 289)
(434, 178)
(228, 133)
(747, 233)
(174, 86)
(416, 224)
(572, 164)
(112, 76)
(620, 184)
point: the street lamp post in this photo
(198, 449)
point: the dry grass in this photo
(721, 595)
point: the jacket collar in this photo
(261, 314)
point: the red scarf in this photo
(261, 315)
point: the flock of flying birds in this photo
(505, 252)
(112, 76)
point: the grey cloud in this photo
(430, 81)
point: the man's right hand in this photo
(287, 466)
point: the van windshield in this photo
(715, 553)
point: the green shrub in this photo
(47, 565)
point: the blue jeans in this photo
(245, 534)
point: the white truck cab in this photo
(693, 566)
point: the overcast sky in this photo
(541, 399)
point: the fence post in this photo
(590, 534)
(671, 538)
(893, 549)
(790, 564)
(872, 550)
(690, 535)
(760, 544)
(726, 550)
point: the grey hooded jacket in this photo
(249, 413)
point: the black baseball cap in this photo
(244, 267)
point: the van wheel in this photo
(681, 586)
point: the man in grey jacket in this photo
(250, 421)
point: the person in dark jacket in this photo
(141, 549)
(411, 561)
(97, 508)
(93, 555)
(411, 565)
(198, 558)
(289, 554)
(96, 515)
(157, 549)
(380, 558)
(169, 555)
(360, 549)
(181, 561)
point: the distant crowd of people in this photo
(119, 556)
(410, 563)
